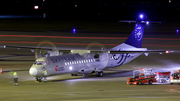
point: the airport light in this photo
(74, 30)
(169, 1)
(141, 16)
(36, 7)
(177, 31)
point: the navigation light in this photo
(167, 52)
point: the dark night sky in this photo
(109, 9)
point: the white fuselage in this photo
(75, 63)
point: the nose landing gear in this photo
(39, 79)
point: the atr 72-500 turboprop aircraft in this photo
(94, 61)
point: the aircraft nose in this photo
(33, 71)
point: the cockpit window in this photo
(46, 63)
(35, 62)
(41, 63)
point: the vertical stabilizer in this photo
(136, 37)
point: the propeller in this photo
(45, 49)
(98, 54)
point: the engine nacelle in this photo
(53, 53)
(46, 53)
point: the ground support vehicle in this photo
(175, 77)
(142, 76)
(162, 77)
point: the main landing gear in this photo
(74, 74)
(100, 73)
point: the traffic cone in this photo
(1, 71)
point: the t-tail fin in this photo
(136, 37)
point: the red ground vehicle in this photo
(142, 76)
(163, 76)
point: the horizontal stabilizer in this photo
(141, 21)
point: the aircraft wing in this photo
(145, 52)
(34, 47)
(83, 50)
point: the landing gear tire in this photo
(139, 83)
(150, 82)
(74, 74)
(100, 74)
(39, 79)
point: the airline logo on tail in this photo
(138, 27)
(138, 34)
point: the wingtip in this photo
(169, 51)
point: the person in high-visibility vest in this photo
(44, 73)
(15, 75)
